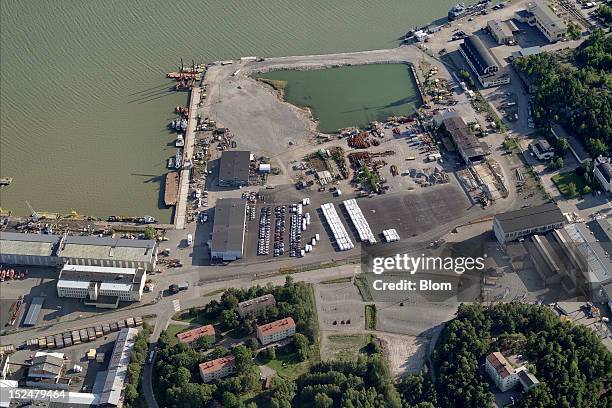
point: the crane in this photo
(34, 214)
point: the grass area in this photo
(214, 292)
(370, 317)
(173, 330)
(511, 144)
(286, 365)
(277, 84)
(345, 279)
(563, 181)
(362, 285)
(306, 268)
(345, 347)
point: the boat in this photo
(456, 11)
(171, 161)
(183, 124)
(173, 125)
(5, 181)
(180, 141)
(178, 159)
(147, 219)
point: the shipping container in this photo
(138, 321)
(106, 329)
(114, 326)
(91, 333)
(50, 342)
(122, 324)
(98, 330)
(76, 337)
(42, 342)
(130, 322)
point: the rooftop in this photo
(110, 275)
(28, 244)
(228, 228)
(500, 27)
(500, 364)
(577, 148)
(480, 52)
(138, 250)
(463, 138)
(216, 365)
(256, 303)
(117, 367)
(532, 217)
(545, 14)
(234, 165)
(606, 170)
(275, 326)
(194, 334)
(33, 311)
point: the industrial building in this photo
(539, 14)
(190, 336)
(107, 251)
(276, 331)
(603, 173)
(114, 384)
(234, 168)
(28, 249)
(33, 311)
(483, 63)
(502, 31)
(46, 371)
(101, 286)
(227, 242)
(253, 306)
(513, 225)
(472, 151)
(218, 368)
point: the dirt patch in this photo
(406, 354)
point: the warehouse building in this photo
(234, 168)
(108, 252)
(116, 376)
(539, 14)
(28, 249)
(502, 31)
(34, 311)
(254, 306)
(472, 151)
(483, 63)
(276, 331)
(227, 242)
(100, 285)
(512, 225)
(218, 368)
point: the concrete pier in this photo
(183, 192)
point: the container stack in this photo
(359, 221)
(340, 235)
(391, 235)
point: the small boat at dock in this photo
(180, 141)
(178, 159)
(173, 125)
(171, 161)
(5, 181)
(183, 124)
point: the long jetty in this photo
(183, 188)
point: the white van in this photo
(189, 239)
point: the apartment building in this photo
(276, 331)
(218, 368)
(191, 336)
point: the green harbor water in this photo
(84, 100)
(352, 95)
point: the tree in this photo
(463, 74)
(229, 319)
(131, 393)
(243, 357)
(300, 342)
(230, 400)
(563, 145)
(573, 31)
(203, 343)
(150, 232)
(557, 163)
(597, 147)
(252, 343)
(183, 376)
(572, 190)
(323, 401)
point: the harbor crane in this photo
(33, 213)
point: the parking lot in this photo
(339, 307)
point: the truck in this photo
(434, 157)
(189, 239)
(183, 286)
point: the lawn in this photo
(563, 180)
(362, 285)
(173, 330)
(286, 364)
(345, 346)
